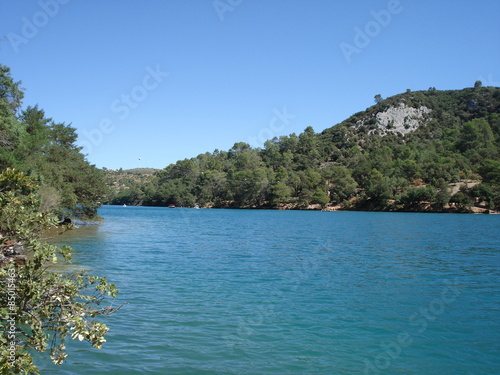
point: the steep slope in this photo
(430, 111)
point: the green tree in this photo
(341, 184)
(280, 193)
(461, 200)
(443, 194)
(11, 96)
(249, 187)
(307, 154)
(486, 193)
(380, 188)
(418, 195)
(320, 197)
(213, 187)
(475, 135)
(490, 171)
(48, 306)
(61, 165)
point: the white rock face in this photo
(401, 119)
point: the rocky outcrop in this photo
(400, 119)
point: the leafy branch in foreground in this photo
(40, 308)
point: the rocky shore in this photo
(11, 252)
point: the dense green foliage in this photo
(39, 308)
(46, 150)
(356, 164)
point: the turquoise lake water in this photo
(292, 292)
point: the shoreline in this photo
(336, 208)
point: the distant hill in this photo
(126, 182)
(417, 151)
(140, 171)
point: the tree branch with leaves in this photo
(39, 307)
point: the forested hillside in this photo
(418, 151)
(44, 149)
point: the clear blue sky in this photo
(163, 80)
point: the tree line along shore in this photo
(424, 151)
